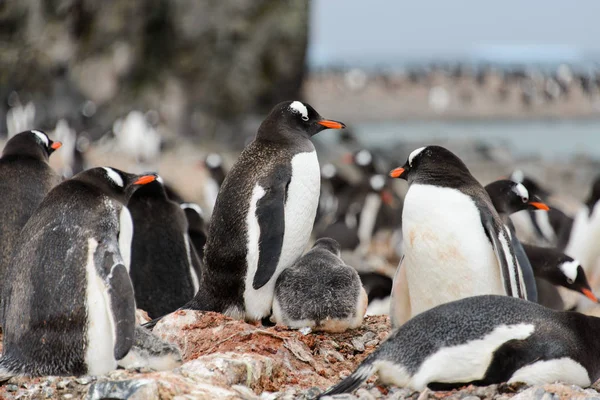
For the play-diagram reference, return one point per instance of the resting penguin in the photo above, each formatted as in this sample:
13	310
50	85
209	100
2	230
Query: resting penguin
69	306
510	197
320	292
165	268
264	214
492	339
455	244
25	178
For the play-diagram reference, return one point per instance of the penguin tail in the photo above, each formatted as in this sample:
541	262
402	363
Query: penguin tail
5	373
352	382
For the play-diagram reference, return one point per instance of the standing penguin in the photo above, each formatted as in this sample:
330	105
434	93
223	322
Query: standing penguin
213	163
320	292
493	339
264	214
69	306
25	178
196	227
510	197
455	244
165	269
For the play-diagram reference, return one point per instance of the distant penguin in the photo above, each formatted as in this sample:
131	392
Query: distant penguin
366	161
264	214
165	269
213	164
585	234
320	292
559	269
493	339
69	306
25	179
196	226
455	244
510	197
379	289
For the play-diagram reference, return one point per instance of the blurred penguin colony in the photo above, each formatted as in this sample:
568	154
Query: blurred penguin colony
474	275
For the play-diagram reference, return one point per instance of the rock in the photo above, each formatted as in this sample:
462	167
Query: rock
48	392
364	394
358	344
63	384
84	380
126	390
12	388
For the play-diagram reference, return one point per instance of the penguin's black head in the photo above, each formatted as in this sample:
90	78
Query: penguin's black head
115	183
594	195
432	163
31	143
329	244
572	276
509	197
531	185
292	119
155	188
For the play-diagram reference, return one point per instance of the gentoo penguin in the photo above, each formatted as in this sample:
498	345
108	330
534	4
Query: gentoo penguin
69	307
509	197
213	164
196	227
455	244
165	269
559	269
264	214
25	178
492	339
320	292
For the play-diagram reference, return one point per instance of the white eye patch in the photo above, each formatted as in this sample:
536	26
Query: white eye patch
521	191
569	268
114	176
415	153
300	108
42	136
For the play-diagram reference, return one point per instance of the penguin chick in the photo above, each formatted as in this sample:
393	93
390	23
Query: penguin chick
150	351
165	269
320	291
559	269
484	340
69	307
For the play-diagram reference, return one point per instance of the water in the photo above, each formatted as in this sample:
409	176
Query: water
550	139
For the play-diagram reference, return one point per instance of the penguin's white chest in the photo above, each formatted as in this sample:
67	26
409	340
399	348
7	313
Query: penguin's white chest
447	253
299	212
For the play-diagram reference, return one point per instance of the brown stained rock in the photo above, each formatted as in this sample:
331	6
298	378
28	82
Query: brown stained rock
309	360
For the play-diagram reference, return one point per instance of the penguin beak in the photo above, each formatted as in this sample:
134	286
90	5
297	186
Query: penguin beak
145	179
588	293
398	173
536	205
56	145
330	124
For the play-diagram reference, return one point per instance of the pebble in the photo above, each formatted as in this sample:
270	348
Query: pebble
12	388
471	398
48	392
372	343
358	344
63	384
84	380
67	396
363	394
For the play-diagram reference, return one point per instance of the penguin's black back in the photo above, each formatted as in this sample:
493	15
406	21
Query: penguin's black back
226	245
46	285
160	269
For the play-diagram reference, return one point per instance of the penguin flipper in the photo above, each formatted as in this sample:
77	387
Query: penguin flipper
121	301
526	269
270	213
509	268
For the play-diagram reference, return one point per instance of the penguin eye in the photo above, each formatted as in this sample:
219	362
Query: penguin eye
570	281
524	199
304	118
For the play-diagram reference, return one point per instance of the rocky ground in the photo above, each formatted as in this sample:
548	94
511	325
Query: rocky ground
229	359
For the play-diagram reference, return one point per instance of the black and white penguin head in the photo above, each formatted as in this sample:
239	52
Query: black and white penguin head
431	163
31	143
292	118
531	185
328	244
194	214
573	277
510	197
115	183
155	188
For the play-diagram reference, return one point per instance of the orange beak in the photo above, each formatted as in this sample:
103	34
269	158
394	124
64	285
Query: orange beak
396	173
588	293
327	123
56	145
539	206
145	179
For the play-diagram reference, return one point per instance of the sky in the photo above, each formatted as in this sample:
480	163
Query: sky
375	32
